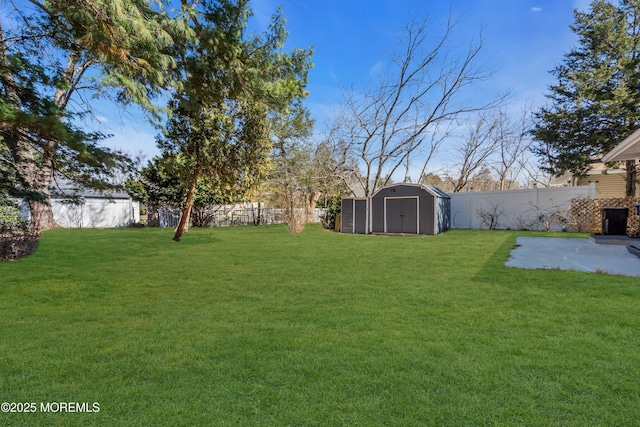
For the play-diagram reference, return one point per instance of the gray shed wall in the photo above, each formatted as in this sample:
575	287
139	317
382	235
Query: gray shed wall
360	226
354	216
444	215
427	212
346	216
377	215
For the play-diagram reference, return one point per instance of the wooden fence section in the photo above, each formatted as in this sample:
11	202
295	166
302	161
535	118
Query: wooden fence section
587	214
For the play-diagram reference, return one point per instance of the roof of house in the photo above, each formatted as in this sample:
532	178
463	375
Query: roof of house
629	149
63	188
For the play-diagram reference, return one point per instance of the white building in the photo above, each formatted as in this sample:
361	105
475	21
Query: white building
77	207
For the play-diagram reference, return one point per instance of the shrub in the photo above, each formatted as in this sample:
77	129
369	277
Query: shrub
295	220
15	241
334	207
10	218
17	244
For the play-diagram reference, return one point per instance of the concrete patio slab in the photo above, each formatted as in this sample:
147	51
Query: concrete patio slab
573	254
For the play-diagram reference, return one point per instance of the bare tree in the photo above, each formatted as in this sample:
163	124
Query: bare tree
513	147
405	114
339	162
497	144
474	150
533	174
325	170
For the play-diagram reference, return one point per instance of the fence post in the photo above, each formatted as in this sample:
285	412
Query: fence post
472	211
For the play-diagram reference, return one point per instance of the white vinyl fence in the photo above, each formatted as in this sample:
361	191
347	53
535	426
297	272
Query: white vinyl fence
529	209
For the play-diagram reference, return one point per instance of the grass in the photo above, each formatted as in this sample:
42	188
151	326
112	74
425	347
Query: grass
260	327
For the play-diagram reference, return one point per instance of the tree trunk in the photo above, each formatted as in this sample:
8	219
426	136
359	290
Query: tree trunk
41	216
38	179
36	176
258	220
186	210
311	205
631	178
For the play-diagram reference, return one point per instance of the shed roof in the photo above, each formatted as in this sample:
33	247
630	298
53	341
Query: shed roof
436	192
628	149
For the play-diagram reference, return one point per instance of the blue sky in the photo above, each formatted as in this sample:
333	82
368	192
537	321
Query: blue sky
522	41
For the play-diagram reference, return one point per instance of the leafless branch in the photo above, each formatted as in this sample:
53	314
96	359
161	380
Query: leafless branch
408	113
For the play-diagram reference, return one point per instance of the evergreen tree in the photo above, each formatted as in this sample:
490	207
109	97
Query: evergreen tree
52	52
596	101
158	185
219	125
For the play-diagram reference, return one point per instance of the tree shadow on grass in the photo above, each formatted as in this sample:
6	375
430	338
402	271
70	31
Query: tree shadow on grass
494	269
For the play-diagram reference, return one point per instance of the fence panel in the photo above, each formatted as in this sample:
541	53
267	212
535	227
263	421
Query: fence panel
530	209
169	217
221	217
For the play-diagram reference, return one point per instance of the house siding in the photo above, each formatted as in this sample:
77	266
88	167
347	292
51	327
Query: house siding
610	185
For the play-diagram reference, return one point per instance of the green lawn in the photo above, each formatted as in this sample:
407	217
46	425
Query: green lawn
260	327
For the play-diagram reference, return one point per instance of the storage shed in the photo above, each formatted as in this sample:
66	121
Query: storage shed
354	216
410	209
398	209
